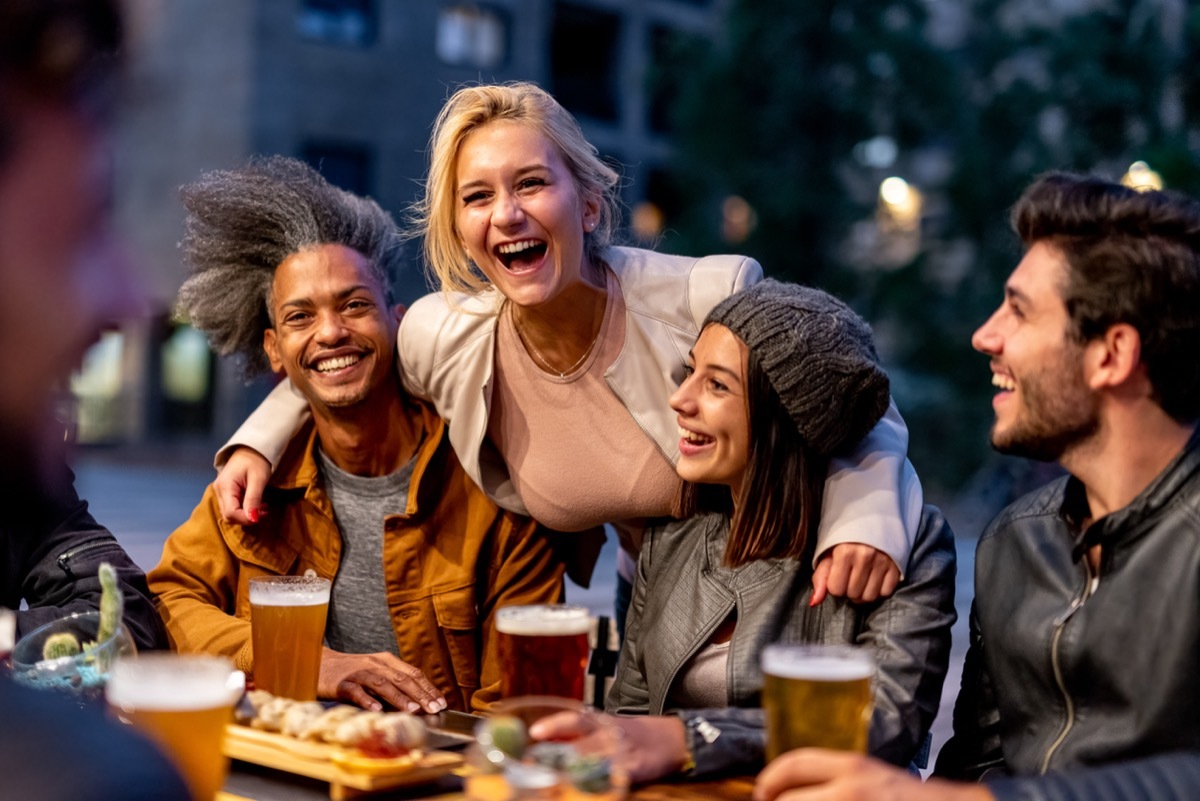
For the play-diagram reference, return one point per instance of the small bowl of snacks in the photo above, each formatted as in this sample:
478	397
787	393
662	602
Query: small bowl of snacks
505	762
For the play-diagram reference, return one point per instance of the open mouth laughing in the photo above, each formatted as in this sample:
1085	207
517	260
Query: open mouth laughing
521	256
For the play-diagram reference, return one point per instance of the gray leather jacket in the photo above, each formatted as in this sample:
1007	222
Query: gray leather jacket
1064	674
682	593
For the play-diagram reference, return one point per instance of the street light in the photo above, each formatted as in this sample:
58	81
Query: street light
899	204
1141	178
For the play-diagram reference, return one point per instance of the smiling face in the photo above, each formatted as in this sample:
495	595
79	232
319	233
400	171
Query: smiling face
333	332
710	406
520	215
1044	405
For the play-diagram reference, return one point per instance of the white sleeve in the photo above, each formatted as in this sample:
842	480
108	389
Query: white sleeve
872	495
270	427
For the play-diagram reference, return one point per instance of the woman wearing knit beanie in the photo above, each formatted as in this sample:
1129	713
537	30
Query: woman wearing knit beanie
783	378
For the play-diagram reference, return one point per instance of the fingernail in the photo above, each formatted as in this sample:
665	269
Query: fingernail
442	704
812	602
375	706
413	706
253	515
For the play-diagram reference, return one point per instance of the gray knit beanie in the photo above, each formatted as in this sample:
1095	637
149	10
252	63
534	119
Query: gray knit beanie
818	355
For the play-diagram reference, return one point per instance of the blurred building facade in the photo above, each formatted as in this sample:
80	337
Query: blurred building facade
352	86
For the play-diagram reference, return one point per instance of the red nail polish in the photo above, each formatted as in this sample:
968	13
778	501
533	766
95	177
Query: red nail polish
253	515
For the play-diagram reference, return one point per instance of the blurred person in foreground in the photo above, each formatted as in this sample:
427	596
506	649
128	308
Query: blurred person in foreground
782	379
61	281
551	353
292	274
1080	682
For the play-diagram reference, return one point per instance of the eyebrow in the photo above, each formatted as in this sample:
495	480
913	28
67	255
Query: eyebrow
717	368
345	293
1012	293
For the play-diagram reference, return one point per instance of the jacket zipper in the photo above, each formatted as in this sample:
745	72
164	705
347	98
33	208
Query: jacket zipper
1059	625
66	556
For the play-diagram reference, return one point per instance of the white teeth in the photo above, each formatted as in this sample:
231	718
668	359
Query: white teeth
329	365
692	436
1004	382
517	247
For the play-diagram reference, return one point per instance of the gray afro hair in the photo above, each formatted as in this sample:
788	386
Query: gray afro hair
242	224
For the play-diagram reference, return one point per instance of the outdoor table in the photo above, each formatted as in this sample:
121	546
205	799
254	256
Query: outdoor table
252	783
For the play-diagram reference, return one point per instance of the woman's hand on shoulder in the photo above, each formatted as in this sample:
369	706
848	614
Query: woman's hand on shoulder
855	571
240	484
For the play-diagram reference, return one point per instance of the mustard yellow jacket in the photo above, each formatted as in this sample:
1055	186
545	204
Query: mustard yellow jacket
451	558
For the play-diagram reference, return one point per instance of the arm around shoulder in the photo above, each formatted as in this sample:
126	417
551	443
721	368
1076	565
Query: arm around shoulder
270	427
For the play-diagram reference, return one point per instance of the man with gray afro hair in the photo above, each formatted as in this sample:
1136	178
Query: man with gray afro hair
242	224
290	273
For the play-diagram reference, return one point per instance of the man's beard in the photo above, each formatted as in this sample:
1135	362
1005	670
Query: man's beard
1057	411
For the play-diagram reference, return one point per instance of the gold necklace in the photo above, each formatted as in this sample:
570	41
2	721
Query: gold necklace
534	351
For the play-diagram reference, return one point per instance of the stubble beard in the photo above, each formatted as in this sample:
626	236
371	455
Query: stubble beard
1058	412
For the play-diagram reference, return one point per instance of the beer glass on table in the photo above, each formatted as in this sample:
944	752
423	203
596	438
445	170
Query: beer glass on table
817	696
183	702
543	650
287	626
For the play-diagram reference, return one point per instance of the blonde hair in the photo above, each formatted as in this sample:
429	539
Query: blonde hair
469	109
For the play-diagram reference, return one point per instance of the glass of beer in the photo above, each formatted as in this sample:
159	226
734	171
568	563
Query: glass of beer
817	696
287	625
543	650
183	702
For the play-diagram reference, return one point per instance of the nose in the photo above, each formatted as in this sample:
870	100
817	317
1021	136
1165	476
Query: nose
331	328
987	338
508	211
682	400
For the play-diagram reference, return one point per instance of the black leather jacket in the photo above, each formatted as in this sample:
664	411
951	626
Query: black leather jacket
51	551
1068	670
683	592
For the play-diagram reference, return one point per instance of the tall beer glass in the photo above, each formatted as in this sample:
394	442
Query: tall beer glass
816	695
287	625
182	702
543	650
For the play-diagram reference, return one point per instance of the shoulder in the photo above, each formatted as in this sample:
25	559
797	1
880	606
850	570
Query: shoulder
440	334
1040	504
668	542
686	287
441	315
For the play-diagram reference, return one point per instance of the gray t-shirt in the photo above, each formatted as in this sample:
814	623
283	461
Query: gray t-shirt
359	621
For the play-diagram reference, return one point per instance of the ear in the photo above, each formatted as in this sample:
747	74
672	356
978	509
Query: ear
591	213
1114	359
398	310
271	346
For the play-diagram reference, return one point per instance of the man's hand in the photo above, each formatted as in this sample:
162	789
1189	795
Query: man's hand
367	679
240	484
652	747
813	774
858	572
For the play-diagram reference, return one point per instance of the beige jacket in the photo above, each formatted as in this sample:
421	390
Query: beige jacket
446	347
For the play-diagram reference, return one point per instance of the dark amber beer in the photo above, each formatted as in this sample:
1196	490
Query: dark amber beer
543	650
287	625
183	702
816	696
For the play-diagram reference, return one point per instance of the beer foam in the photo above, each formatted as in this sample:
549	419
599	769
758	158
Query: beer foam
815	668
173	684
534	621
288	594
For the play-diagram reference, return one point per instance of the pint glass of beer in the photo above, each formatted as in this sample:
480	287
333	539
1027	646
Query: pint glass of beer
816	696
543	650
287	625
182	702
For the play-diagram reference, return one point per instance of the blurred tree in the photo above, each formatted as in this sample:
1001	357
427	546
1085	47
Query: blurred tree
787	108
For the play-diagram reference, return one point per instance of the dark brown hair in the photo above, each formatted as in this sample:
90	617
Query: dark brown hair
779	505
1132	257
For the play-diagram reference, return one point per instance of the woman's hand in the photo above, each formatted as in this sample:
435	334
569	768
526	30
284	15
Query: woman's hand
810	774
240	484
651	746
368	679
858	572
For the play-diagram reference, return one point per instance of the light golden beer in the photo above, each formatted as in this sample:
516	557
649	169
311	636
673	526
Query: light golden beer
182	702
816	696
543	650
287	625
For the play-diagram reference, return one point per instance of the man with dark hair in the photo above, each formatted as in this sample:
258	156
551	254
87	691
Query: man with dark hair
60	281
291	274
1080	681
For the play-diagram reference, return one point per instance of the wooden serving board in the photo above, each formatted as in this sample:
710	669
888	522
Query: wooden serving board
316	761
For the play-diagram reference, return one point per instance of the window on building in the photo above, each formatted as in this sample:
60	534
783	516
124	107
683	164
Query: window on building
341	22
344	165
472	36
584	59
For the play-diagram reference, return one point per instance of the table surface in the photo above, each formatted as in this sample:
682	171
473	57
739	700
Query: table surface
249	782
